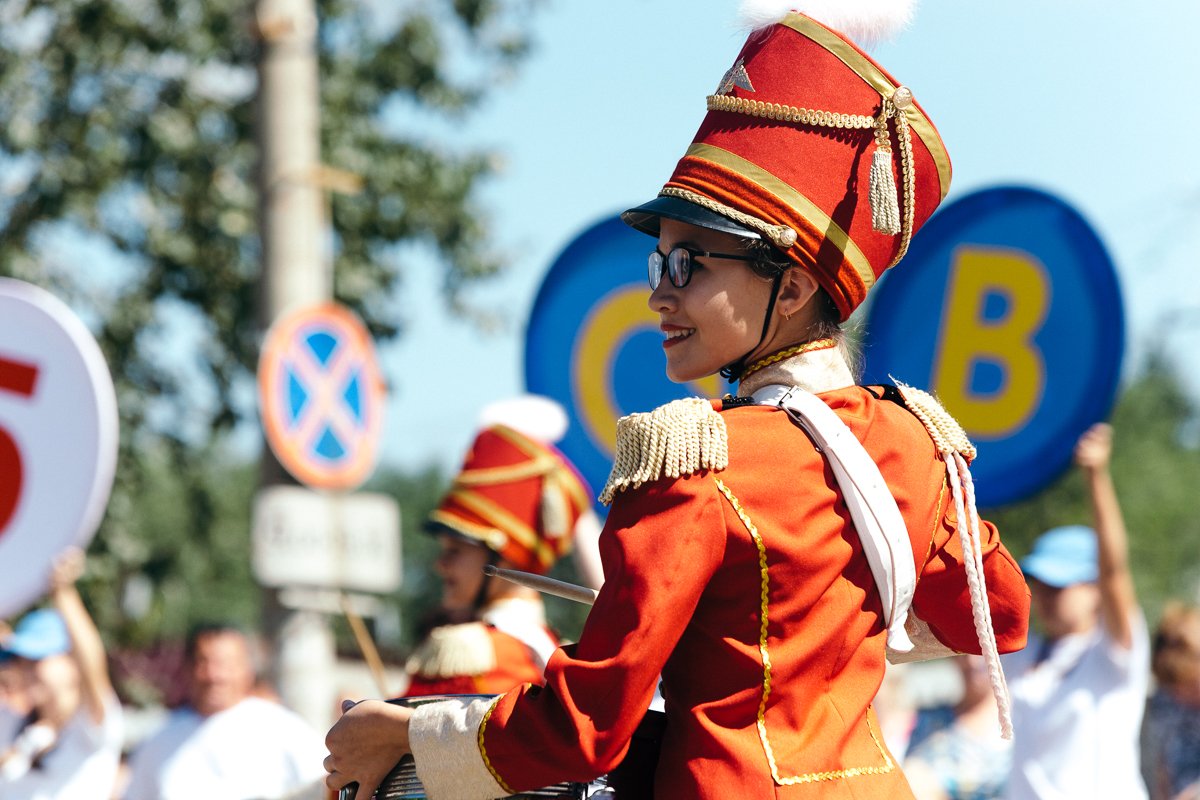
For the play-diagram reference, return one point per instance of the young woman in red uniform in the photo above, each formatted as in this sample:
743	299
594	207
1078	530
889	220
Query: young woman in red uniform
517	503
762	553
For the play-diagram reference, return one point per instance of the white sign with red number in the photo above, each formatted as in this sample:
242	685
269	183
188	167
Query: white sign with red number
58	438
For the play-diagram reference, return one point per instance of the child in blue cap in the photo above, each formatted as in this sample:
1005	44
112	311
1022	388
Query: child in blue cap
64	742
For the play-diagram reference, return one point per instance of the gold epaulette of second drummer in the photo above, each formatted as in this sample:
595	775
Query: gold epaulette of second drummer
680	438
454	650
948	436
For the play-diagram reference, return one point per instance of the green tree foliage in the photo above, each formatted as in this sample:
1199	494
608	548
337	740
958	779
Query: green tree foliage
189	537
128	167
1156	469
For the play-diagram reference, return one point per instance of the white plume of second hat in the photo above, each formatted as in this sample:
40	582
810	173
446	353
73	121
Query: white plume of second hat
534	415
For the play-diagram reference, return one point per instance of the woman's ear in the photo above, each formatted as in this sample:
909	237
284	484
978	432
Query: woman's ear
796	288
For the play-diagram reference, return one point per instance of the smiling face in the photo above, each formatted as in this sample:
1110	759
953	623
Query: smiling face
718	317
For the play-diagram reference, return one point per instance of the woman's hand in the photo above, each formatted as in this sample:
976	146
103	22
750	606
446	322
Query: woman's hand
365	744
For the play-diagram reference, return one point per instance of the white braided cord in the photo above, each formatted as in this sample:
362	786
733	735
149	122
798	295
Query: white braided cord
968	535
995	669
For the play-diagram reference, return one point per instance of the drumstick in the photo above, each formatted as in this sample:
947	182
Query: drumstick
569	591
365	644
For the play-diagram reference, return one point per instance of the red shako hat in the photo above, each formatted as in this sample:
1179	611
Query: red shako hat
812	145
516	495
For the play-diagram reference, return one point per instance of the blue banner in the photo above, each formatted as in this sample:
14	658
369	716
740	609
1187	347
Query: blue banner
1007	308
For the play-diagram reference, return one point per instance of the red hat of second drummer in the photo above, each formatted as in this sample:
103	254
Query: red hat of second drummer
811	144
517	496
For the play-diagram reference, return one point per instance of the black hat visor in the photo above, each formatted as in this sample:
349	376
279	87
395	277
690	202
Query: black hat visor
646	217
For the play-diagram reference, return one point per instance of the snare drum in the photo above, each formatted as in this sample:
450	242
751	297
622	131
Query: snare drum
635	775
402	783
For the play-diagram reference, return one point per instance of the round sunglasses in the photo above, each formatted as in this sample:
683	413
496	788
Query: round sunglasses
678	264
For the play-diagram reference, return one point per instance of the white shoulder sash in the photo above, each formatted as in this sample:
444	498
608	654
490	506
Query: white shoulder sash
876	517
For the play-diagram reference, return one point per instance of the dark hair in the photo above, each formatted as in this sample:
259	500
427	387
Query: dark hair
203	630
1175	657
769	262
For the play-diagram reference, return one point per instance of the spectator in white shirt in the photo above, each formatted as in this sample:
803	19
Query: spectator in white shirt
227	743
1078	690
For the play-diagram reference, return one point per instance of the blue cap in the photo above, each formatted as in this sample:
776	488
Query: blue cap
40	634
1063	557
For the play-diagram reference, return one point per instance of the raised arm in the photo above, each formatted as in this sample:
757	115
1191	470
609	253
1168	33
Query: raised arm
1118	599
86	646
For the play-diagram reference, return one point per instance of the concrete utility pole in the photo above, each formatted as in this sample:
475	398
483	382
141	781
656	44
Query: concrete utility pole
296	272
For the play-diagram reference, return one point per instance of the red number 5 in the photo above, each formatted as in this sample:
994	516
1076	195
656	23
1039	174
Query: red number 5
17	378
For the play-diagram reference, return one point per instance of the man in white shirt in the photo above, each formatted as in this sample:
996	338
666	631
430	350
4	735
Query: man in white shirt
1078	691
226	743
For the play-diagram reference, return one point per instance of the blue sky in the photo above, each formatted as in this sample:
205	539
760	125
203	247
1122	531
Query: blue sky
1089	100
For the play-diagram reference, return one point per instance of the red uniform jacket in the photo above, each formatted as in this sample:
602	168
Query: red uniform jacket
747	590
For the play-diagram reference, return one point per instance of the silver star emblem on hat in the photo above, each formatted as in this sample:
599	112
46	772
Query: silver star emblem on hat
736	76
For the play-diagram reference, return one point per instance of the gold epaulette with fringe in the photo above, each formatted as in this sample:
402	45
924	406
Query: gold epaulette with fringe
680	438
948	436
451	651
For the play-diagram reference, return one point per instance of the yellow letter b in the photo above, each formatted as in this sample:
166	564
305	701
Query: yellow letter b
988	371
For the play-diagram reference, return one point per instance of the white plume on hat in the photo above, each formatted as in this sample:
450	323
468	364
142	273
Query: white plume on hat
866	22
534	415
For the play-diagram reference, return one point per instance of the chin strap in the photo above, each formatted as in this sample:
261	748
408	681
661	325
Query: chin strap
733	370
482	595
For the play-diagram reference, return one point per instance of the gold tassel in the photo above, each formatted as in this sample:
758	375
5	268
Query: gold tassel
680	438
885	208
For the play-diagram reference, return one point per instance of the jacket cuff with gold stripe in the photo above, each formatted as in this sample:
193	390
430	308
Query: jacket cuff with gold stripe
446	742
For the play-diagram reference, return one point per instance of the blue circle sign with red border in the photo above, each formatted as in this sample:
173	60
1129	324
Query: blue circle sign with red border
1008	309
322	396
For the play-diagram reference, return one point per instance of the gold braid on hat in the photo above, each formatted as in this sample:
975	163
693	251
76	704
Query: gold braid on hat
490	476
782	236
560	489
886	214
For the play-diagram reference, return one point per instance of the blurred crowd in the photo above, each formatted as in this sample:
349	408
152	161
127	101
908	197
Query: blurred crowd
1101	707
1086	723
62	731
